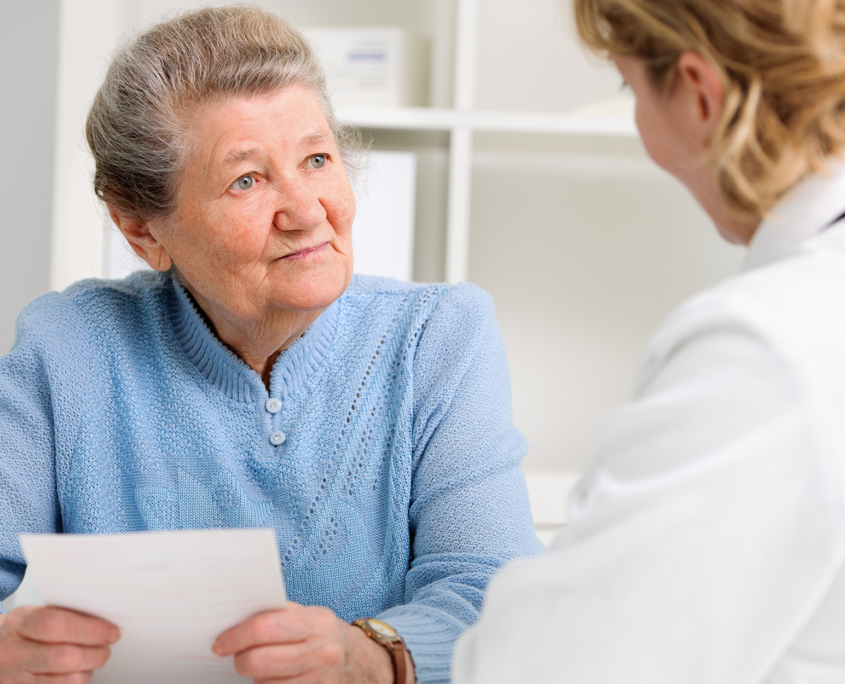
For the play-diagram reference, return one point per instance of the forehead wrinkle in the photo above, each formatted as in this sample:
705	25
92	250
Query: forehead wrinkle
240	155
237	156
318	137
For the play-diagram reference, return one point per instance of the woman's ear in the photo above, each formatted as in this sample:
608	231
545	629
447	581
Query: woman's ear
703	91
138	235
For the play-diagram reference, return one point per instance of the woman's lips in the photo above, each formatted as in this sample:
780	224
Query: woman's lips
302	253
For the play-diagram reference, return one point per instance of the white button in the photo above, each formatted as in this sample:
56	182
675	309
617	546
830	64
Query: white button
277	437
273	405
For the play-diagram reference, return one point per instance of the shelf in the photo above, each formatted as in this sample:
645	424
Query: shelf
432	119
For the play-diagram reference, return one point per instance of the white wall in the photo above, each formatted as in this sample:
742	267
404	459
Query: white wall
529	58
28	33
580	288
88	32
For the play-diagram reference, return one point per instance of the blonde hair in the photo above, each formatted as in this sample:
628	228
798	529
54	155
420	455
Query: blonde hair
136	128
783	66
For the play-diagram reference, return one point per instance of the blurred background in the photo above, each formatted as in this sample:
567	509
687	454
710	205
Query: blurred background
519	170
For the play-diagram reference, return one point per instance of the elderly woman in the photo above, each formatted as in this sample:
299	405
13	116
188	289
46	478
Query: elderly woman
706	541
251	380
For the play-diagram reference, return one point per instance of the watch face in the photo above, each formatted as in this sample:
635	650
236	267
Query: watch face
381	628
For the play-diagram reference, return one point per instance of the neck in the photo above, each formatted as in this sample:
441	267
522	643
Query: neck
259	343
256	341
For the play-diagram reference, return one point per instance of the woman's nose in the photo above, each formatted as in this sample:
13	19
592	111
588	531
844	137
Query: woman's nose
298	207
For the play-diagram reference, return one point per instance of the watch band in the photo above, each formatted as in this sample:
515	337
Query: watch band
384	635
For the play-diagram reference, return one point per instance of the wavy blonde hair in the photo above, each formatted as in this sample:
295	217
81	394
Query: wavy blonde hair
783	66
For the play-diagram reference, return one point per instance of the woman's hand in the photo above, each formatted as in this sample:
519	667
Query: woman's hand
52	644
305	644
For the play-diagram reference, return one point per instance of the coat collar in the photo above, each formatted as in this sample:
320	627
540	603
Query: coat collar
805	211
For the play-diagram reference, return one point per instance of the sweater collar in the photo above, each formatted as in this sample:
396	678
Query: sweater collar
228	373
806	210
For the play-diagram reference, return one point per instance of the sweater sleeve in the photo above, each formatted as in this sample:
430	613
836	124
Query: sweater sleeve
41	385
469	511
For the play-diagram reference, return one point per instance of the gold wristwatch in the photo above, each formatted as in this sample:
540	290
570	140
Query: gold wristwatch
384	634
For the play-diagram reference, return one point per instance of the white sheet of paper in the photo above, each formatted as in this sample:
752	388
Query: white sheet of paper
171	594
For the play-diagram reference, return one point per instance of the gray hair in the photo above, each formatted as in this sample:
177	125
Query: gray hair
136	128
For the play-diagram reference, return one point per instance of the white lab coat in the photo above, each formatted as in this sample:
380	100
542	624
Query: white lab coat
706	541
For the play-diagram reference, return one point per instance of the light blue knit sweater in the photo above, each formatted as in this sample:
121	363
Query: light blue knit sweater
395	493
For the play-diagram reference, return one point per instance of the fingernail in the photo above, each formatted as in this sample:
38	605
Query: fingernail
215	647
114	634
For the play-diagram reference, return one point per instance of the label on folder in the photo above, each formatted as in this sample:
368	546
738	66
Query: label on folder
170	593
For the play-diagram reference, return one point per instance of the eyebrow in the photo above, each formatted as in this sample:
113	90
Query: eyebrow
237	156
317	138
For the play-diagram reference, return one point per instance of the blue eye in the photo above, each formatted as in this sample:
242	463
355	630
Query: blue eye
318	161
244	182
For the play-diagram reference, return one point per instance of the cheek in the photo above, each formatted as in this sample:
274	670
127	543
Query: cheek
340	209
238	234
653	137
217	243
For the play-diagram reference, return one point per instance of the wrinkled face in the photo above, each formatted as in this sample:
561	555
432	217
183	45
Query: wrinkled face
264	208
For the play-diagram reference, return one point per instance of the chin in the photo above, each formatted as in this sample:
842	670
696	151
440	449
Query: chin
728	235
737	232
732	229
316	292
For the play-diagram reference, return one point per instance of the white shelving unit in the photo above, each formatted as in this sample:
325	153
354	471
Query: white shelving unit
451	120
463	120
487	140
461	124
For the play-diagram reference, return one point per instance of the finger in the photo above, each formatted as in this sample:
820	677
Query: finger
62	626
61	659
311	677
289	661
270	662
73	678
286	625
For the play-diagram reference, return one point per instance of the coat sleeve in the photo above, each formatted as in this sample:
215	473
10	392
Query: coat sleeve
469	511
700	538
41	388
